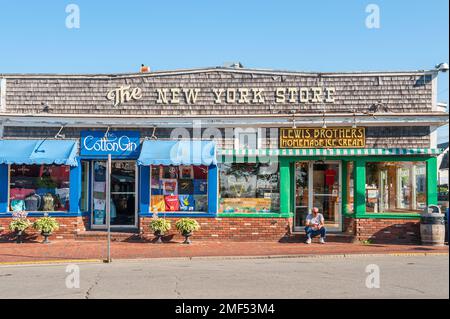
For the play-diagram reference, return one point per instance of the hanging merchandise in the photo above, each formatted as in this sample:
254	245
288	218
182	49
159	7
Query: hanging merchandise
172	203
169	186
18	205
186	202
200	187
185	187
48	203
157	203
33	203
200	172
186	171
201	203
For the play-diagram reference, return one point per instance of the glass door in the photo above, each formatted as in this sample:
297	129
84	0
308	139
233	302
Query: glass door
318	184
301	194
123	198
326	192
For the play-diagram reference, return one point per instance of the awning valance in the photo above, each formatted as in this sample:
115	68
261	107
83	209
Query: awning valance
60	152
178	153
332	152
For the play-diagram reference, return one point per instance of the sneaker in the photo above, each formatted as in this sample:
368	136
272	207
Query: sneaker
308	241
322	240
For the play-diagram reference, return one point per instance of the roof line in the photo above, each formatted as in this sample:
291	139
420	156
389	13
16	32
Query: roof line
213	69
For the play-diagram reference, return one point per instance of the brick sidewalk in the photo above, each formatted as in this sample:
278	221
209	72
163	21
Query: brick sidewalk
74	250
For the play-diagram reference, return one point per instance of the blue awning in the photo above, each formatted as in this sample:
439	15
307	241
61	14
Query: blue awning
178	153
60	152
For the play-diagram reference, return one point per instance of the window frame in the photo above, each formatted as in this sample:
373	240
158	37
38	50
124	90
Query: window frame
39	211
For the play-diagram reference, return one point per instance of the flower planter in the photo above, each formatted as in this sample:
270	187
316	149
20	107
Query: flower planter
19	236
46	235
186	237
158	234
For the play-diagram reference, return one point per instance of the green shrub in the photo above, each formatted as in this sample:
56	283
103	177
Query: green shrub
19	224
46	225
160	224
187	225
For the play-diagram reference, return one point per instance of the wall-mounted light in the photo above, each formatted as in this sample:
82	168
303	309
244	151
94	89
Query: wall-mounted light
354	120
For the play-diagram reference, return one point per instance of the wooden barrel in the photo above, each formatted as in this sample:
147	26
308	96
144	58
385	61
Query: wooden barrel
432	228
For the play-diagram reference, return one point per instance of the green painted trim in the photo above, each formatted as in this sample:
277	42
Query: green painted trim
432	169
285	186
344	189
387	215
360	187
257	215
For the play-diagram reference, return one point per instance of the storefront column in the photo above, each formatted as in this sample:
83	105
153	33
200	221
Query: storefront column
344	192
432	181
144	190
285	186
75	188
213	196
3	188
360	187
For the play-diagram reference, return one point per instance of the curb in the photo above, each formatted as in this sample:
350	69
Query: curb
49	262
304	256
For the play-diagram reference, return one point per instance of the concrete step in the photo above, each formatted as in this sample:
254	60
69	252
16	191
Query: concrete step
331	237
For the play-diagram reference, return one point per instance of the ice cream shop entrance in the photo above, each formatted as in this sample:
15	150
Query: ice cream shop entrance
318	184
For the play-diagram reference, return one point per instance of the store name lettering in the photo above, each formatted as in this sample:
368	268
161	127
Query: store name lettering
285	95
124	94
340	137
110	144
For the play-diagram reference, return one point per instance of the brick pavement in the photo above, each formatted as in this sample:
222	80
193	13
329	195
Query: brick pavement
74	250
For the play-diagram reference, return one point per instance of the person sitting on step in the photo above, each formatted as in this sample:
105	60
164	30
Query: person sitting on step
315	226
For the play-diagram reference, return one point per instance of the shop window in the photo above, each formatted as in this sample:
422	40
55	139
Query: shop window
84	186
395	187
249	188
181	188
35	188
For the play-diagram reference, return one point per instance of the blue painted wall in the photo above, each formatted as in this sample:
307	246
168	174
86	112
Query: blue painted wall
3	188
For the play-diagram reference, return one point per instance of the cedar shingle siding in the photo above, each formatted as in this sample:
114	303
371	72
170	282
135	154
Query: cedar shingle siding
84	94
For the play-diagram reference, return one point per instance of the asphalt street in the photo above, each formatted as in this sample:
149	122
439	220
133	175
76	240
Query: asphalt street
312	277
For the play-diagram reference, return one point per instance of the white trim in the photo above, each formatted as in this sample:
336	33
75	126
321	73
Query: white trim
433	136
268	121
434	92
2	95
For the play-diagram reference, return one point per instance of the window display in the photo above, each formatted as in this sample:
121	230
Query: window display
35	188
181	188
395	187
249	188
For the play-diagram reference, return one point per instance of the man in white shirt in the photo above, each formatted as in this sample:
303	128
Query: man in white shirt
315	226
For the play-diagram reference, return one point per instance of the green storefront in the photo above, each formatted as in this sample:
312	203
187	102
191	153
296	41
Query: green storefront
375	194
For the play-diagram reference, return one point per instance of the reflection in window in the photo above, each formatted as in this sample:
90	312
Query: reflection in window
249	188
35	188
395	187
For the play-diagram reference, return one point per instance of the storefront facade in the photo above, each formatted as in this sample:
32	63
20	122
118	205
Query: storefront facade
246	152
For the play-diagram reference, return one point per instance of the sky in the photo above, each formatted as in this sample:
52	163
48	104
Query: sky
319	35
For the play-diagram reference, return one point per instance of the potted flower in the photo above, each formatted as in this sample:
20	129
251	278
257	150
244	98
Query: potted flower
46	225
159	226
18	225
186	226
